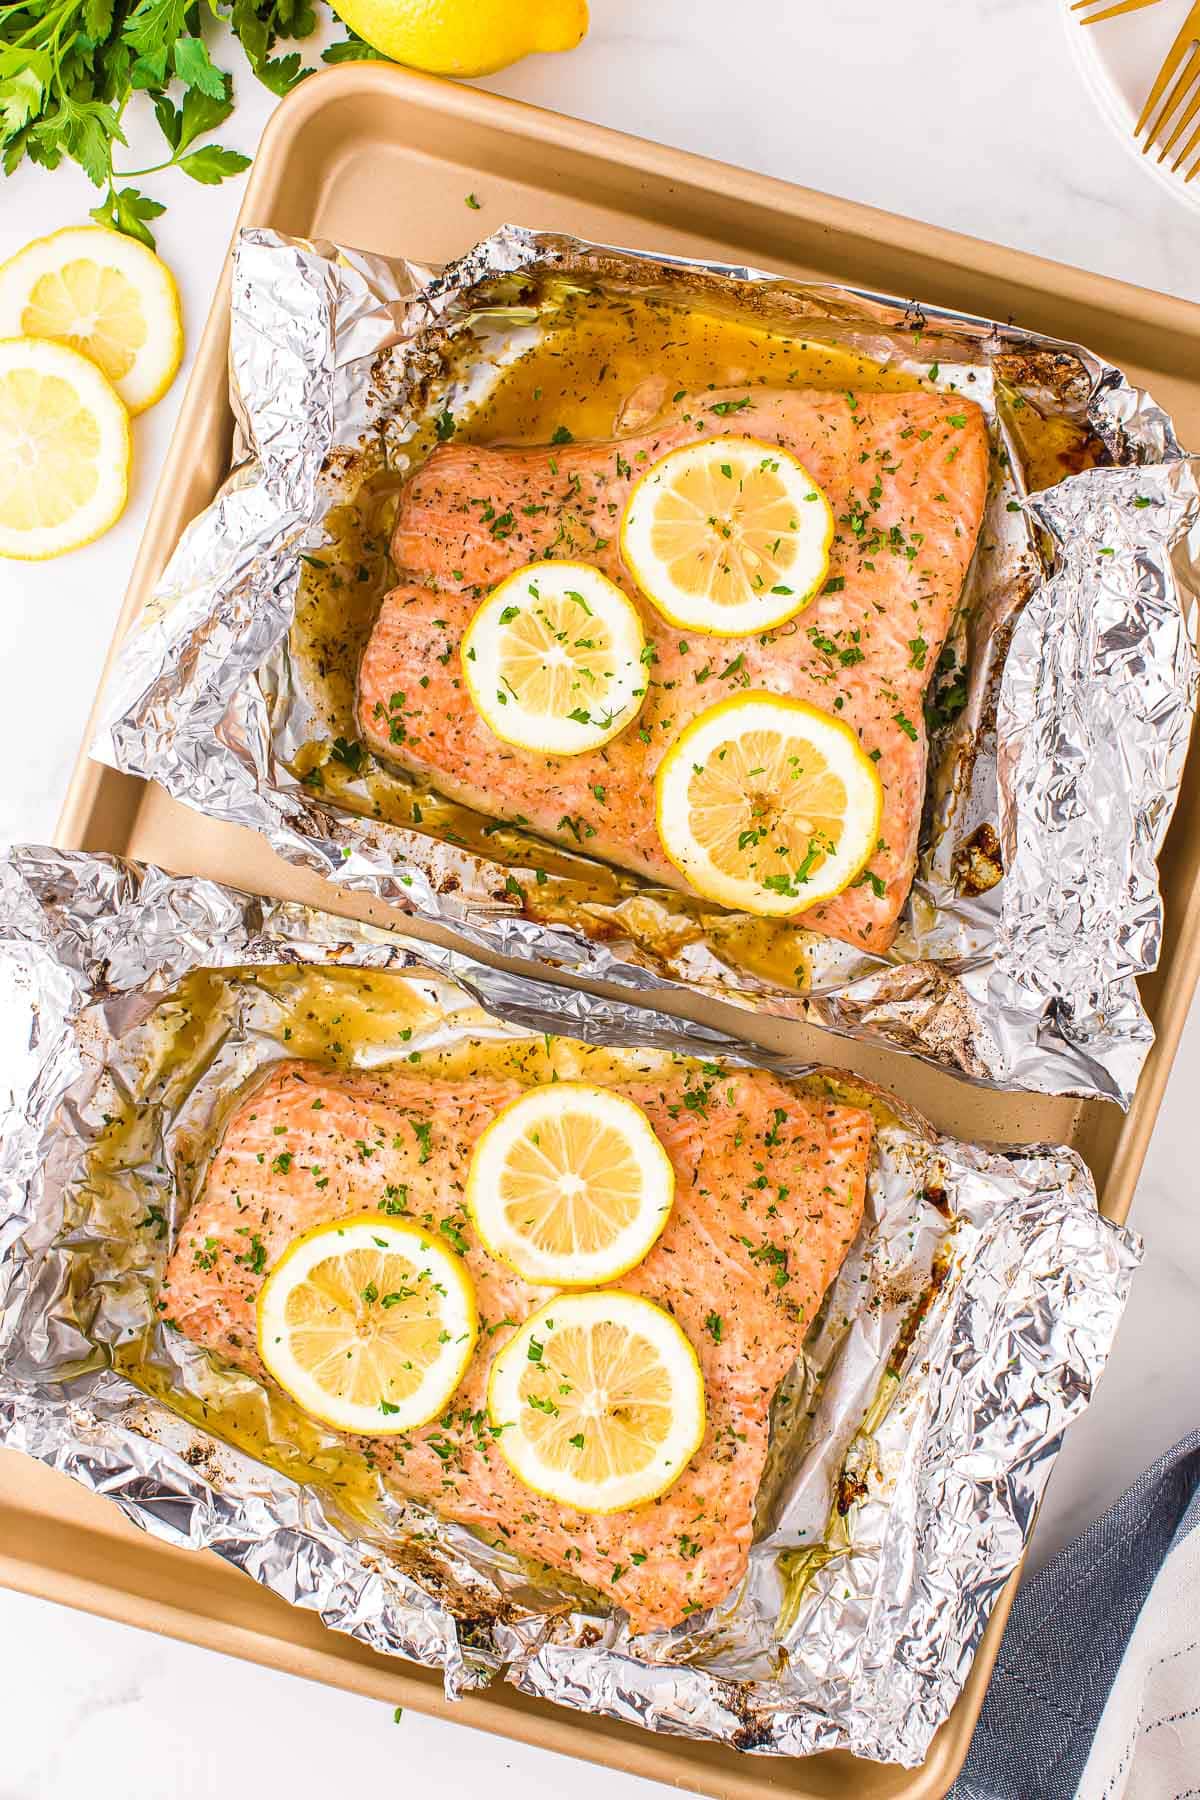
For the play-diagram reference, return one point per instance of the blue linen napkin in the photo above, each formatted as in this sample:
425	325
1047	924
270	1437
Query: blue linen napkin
1096	1691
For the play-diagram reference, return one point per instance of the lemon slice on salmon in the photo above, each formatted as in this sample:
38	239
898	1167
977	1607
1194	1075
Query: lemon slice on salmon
64	450
599	1401
569	1185
768	805
106	296
553	659
729	536
367	1324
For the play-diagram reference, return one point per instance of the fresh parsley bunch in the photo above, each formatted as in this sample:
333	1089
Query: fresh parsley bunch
68	69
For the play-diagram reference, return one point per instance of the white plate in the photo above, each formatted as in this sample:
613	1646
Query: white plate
1119	60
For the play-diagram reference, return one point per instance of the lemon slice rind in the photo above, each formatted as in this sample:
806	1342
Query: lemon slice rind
704	740
445	1291
536	1442
530	1129
797	521
562	632
44	447
108	286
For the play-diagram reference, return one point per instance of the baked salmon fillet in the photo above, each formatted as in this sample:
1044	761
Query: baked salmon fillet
769	1196
906	475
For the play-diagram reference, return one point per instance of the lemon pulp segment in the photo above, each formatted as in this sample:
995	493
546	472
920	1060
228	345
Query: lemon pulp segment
599	1401
768	804
570	1185
64	450
728	535
553	659
104	295
367	1324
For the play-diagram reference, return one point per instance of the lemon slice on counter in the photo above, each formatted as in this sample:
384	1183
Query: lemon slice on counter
106	296
728	535
768	805
64	450
569	1185
599	1401
553	659
367	1324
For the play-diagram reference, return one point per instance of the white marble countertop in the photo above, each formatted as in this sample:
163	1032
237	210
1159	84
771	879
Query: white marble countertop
970	116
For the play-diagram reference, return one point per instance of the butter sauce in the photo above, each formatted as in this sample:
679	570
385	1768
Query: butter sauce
593	353
598	362
190	1061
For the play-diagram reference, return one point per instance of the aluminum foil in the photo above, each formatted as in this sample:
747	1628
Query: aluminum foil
909	1447
1060	714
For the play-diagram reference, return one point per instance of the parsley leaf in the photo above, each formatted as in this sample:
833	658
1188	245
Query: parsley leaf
69	69
349	752
351	49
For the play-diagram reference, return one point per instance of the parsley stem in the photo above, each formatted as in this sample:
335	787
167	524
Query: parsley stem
59	17
133	174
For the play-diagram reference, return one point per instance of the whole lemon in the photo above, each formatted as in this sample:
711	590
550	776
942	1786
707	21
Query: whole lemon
465	37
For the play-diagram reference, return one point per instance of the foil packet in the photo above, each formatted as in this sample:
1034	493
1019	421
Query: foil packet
1059	715
910	1444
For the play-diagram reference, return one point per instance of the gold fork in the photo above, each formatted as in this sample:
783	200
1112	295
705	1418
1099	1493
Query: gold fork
1182	69
1109	12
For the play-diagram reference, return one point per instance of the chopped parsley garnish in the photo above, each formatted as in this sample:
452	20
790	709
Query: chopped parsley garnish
776	1259
869	879
453	1235
349	753
255	1258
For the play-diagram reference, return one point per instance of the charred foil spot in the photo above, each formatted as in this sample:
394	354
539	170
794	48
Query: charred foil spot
1053	378
1087	451
203	1458
912	1324
978	865
851	1488
756	1731
475	1611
